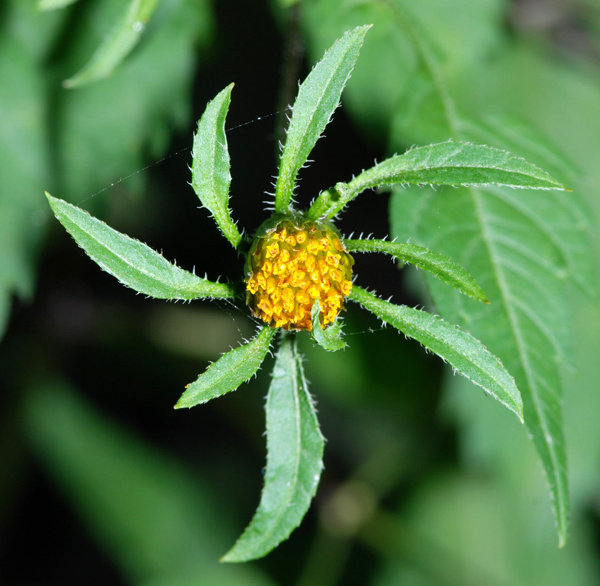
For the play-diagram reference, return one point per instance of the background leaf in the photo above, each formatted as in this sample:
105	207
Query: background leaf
117	45
521	235
140	105
294	459
159	522
54	4
132	262
24	167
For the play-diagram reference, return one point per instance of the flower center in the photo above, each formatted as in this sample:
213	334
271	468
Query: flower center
291	266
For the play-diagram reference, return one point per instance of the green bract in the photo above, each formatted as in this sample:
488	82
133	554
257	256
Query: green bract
294	441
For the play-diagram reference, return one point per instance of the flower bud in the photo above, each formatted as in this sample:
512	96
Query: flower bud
292	263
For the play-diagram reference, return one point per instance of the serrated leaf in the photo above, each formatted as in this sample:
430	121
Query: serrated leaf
520	265
294	459
571	233
515	251
211	175
467	355
133	263
448	163
329	338
228	372
546	227
117	45
318	97
438	265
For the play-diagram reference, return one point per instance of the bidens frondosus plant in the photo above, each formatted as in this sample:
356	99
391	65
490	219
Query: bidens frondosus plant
299	277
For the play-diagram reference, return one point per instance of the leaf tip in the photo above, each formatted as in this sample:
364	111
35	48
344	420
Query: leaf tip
53	201
70	83
234	556
562	540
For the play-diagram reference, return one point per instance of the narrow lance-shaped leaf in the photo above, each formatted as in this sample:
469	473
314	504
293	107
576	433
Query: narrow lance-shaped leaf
329	338
228	372
117	45
467	355
437	264
294	459
318	97
133	263
211	175
447	163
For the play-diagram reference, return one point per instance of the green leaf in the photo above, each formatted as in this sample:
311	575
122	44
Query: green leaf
438	265
211	176
24	162
329	338
568	221
520	264
447	163
229	371
108	130
117	45
294	459
466	355
54	4
133	263
412	90
520	244
318	97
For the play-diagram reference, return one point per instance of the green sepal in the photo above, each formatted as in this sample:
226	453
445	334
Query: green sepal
329	338
211	176
447	163
294	459
228	372
467	355
318	97
134	263
117	45
437	264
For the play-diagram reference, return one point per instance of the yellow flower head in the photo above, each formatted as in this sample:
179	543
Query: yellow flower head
292	263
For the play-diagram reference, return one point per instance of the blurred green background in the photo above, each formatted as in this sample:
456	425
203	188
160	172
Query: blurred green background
426	481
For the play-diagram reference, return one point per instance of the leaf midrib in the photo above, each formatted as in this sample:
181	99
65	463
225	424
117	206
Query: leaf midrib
520	343
419	168
291	491
104	244
308	126
458	351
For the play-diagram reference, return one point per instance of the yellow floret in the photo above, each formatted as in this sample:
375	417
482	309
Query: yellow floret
290	267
